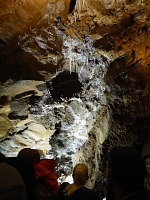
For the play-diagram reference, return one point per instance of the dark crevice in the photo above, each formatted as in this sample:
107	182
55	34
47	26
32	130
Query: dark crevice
65	85
72	5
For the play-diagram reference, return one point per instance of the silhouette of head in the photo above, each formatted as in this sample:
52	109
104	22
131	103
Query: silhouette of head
80	174
31	155
127	169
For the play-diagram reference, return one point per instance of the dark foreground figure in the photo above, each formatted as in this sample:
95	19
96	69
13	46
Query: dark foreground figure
77	190
126	175
12	186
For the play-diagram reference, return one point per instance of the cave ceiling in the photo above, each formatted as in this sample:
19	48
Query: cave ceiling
75	79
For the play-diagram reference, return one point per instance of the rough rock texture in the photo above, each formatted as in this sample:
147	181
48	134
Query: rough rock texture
106	44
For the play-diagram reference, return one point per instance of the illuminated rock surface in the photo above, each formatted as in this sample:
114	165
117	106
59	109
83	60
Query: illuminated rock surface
89	75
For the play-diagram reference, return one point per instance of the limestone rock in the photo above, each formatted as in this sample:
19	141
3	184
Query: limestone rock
27	133
5	124
25	86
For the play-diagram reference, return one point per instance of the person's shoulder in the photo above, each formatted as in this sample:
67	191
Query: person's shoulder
139	195
48	163
85	193
145	195
45	161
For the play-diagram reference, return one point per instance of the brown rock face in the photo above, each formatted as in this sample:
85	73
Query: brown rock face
17	16
33	37
31	19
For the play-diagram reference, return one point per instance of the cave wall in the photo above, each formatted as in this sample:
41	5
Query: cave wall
31	41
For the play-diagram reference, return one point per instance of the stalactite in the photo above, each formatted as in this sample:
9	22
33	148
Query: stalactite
80	5
70	56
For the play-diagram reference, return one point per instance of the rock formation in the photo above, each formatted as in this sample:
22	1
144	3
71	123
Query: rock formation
75	80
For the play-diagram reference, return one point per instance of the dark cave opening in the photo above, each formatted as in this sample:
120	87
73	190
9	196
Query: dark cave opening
72	5
65	85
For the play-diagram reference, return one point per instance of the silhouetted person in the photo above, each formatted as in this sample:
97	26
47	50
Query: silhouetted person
25	169
126	175
12	186
77	190
46	180
27	173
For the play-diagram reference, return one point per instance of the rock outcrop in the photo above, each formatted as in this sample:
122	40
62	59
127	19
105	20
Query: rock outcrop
98	52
